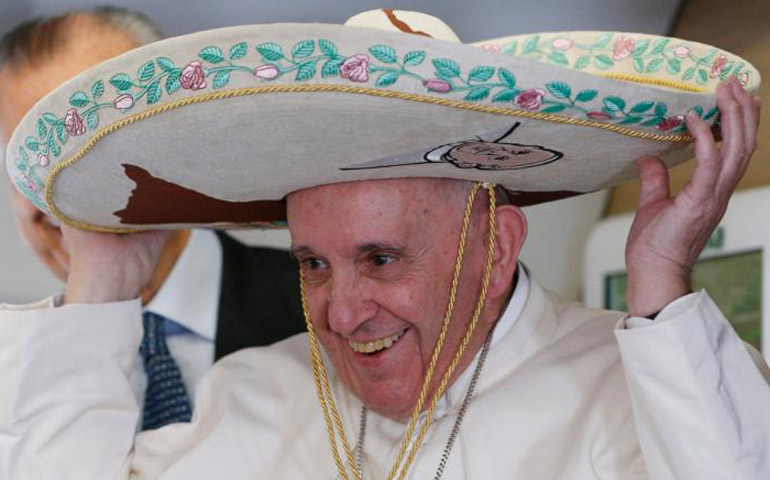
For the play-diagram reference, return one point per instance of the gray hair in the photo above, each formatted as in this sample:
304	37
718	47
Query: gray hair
136	24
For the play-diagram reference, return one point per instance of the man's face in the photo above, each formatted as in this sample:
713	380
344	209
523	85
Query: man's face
378	258
21	88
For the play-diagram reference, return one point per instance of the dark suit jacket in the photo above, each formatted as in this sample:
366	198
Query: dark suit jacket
260	301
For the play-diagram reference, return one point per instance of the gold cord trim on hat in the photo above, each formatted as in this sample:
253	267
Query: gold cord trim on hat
328	405
103	132
661	82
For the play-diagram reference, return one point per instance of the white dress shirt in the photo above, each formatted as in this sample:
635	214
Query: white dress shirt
190	298
566	393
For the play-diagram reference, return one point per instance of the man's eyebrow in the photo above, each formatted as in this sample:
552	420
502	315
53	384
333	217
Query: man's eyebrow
379	247
300	250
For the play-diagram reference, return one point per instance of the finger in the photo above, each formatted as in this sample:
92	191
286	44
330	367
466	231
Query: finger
734	170
707	157
733	146
653	181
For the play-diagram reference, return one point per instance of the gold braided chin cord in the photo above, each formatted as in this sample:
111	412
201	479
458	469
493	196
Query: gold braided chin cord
328	406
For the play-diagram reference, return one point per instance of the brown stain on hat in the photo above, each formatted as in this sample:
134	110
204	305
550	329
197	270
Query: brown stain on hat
402	25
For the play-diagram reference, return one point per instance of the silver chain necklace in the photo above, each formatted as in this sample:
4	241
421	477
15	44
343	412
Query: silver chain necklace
359	450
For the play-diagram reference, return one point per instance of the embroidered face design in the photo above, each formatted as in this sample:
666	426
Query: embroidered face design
478	153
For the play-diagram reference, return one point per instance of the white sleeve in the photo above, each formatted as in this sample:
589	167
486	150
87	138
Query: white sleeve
67	410
701	404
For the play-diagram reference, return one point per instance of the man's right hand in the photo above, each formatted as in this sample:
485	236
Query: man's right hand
107	267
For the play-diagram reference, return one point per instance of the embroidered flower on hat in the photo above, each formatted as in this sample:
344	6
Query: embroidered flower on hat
437	85
356	68
192	77
670	123
266	71
562	44
718	66
73	124
623	48
530	99
123	102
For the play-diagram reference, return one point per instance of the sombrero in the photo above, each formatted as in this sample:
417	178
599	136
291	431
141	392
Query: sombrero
215	128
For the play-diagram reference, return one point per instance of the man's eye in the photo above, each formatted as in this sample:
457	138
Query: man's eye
382	260
313	263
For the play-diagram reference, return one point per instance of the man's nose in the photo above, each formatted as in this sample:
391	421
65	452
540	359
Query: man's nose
350	304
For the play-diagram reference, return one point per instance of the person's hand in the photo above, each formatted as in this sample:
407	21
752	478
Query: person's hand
669	233
110	267
42	234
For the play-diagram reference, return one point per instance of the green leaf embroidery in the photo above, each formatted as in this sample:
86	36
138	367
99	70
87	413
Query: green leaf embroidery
506	76
384	53
306	71
674	66
615	104
698	110
703	77
61	133
654	65
50	118
711	113
477	93
41	129
172	82
97	89
212	54
603	41
558	58
659	46
22	168
79	99
221	79
638	64
165	64
237	51
726	71
642	107
640	48
331	68
270	51
653	122
328	48
146	71
53	147
92	120
603	62
554	108
506	95
121	81
32	144
559	89
386	78
481	73
629	120
586	95
688	74
154	92
303	49
446	67
708	57
583	62
661	109
414	58
23	154
530	45
510	48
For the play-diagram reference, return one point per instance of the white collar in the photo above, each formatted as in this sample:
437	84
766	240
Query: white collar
190	294
515	305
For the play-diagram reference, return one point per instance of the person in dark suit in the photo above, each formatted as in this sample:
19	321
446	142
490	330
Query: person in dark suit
210	295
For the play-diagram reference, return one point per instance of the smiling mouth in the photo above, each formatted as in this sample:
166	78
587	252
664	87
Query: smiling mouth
375	345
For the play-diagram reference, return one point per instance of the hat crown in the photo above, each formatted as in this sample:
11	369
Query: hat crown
415	23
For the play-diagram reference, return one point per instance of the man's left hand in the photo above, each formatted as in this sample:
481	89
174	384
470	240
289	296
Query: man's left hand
669	233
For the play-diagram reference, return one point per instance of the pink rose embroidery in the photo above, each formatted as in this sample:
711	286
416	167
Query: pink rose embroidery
123	102
266	71
562	44
623	48
530	99
192	77
356	68
670	122
42	160
491	48
73	124
30	184
744	78
437	85
681	51
718	66
599	115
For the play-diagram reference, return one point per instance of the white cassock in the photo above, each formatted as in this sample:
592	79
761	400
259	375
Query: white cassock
566	393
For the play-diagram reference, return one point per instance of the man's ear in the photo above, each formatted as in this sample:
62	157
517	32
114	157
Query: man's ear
510	235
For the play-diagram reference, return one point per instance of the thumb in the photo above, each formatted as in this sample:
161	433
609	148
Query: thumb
653	181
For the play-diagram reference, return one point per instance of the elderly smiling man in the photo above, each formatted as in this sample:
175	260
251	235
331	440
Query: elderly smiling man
446	362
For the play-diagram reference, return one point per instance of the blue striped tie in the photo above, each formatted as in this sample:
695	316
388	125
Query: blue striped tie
166	399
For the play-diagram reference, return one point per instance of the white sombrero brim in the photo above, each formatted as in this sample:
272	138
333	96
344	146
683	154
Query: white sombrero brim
213	128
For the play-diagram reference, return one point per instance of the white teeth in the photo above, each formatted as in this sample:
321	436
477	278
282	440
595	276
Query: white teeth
375	345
